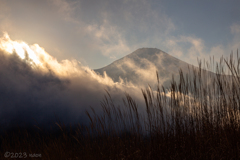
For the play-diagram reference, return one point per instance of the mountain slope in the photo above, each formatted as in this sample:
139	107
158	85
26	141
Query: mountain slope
140	67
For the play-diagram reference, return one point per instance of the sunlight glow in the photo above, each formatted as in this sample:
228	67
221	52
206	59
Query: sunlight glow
20	48
38	58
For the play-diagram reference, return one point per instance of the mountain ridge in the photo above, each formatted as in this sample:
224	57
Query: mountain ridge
140	66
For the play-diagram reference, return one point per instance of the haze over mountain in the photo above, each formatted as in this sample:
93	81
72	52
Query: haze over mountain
140	67
35	87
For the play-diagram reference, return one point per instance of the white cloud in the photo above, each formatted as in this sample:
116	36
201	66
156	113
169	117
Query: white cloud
235	29
42	86
117	28
187	48
235	44
66	9
108	39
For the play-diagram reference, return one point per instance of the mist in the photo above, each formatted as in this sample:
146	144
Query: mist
36	89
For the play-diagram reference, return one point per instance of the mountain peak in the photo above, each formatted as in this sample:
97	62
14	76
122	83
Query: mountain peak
140	67
144	51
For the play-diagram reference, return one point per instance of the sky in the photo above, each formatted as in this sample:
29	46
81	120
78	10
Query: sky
98	32
48	49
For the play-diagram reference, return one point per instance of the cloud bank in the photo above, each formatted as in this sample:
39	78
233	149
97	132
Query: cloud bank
35	87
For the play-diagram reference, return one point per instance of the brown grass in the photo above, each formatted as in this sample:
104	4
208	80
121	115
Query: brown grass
196	118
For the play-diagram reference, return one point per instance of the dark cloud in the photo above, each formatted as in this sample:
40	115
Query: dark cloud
31	96
35	88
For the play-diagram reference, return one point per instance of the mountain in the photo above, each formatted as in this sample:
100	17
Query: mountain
140	67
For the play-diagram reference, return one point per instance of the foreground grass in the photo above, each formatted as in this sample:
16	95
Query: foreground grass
197	118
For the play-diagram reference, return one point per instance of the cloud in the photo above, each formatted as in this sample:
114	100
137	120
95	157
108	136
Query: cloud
119	27
35	89
144	75
108	39
39	87
104	28
189	48
66	9
235	29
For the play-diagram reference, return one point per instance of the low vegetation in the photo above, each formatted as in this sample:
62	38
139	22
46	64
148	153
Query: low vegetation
195	118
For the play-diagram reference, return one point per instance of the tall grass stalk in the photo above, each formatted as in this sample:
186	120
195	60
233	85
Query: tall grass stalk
195	118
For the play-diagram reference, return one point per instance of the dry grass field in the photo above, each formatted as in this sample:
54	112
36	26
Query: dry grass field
197	118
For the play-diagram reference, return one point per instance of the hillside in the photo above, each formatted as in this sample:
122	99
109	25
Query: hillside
140	67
